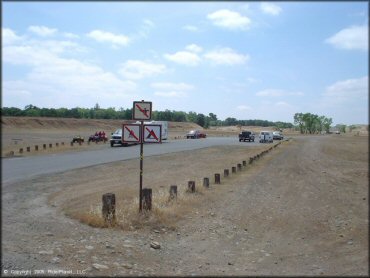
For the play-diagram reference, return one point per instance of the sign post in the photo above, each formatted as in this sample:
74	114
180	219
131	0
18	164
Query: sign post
142	110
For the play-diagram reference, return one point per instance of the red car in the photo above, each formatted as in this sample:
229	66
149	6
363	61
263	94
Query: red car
195	134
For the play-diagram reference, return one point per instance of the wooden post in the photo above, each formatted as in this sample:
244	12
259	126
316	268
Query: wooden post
226	173
50	146
109	208
233	169
239	167
250	160
57	144
147	199
62	143
191	186
173	192
71	144
206	182
217	179
21	150
36	148
44	146
28	149
244	163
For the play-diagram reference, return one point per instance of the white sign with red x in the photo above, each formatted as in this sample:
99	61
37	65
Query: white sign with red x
152	133
131	133
142	110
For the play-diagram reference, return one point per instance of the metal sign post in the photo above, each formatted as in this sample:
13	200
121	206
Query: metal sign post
142	110
141	168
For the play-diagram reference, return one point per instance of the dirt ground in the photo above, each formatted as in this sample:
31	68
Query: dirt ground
301	209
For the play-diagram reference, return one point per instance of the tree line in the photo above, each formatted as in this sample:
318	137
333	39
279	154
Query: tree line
312	123
97	112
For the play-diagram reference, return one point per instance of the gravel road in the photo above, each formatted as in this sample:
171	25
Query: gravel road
301	210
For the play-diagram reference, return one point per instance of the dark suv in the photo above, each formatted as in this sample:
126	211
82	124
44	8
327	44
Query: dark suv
246	136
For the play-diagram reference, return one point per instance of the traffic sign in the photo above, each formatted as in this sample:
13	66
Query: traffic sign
131	133
142	110
152	133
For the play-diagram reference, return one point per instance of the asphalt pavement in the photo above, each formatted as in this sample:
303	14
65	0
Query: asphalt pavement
22	168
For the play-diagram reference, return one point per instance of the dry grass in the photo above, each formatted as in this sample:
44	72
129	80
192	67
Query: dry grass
81	197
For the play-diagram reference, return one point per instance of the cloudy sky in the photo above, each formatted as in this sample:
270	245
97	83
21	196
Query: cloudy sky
248	60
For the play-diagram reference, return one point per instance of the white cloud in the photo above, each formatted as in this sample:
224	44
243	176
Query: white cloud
277	93
354	37
115	40
229	19
171	94
184	58
226	56
191	28
71	36
348	90
42	31
9	36
54	80
282	104
244	108
135	69
172	86
270	8
194	48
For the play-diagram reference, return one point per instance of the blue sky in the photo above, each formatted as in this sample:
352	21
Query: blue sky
248	60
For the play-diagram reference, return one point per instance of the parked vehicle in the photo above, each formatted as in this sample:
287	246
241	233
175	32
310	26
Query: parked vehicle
78	139
277	135
116	138
195	134
246	136
266	137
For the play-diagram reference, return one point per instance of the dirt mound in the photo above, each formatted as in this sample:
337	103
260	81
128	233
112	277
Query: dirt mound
77	124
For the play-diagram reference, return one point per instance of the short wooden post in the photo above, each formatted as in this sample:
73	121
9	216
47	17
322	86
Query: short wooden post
173	192
206	182
191	186
57	144
250	160
226	173
244	163
36	148
50	146
21	150
28	149
109	208
44	146
62	143
147	198
233	169
217	179
239	166
71	144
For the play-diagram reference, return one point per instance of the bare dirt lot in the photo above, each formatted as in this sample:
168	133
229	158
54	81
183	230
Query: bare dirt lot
301	209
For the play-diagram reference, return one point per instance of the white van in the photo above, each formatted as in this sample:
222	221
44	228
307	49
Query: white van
266	137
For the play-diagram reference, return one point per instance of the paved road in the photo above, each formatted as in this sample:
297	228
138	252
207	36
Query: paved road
21	168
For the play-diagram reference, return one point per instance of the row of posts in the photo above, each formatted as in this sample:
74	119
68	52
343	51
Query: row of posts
109	199
44	146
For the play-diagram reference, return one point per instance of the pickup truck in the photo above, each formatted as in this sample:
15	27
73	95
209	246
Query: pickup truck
246	136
